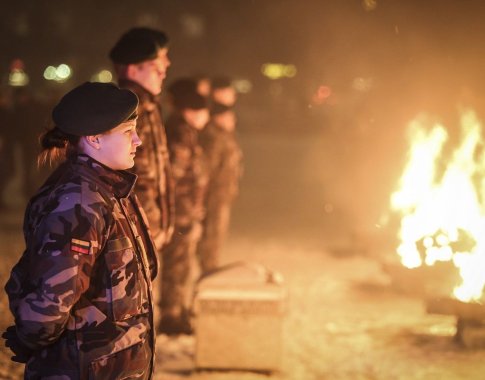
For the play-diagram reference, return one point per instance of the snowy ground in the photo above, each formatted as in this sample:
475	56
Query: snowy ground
345	322
306	210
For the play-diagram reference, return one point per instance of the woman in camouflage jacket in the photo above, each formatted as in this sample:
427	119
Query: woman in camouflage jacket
81	292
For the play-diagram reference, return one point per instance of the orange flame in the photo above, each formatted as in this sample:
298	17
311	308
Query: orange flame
442	208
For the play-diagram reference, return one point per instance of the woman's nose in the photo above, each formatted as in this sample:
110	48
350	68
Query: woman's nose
136	140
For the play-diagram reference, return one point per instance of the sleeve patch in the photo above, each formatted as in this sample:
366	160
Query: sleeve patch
81	246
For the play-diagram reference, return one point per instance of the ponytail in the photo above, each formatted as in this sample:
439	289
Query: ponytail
56	146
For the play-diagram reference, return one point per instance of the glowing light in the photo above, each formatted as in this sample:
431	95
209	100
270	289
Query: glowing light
290	71
63	71
242	86
59	74
321	95
50	73
442	203
18	78
103	76
428	242
17	64
278	70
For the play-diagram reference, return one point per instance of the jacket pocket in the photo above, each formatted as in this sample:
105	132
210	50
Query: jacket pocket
124	279
131	363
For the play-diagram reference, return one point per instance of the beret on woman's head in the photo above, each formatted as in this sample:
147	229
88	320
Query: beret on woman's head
94	108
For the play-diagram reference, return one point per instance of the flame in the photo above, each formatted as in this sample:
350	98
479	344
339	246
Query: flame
442	206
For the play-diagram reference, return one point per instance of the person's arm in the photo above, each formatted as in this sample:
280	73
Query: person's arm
150	180
181	157
57	268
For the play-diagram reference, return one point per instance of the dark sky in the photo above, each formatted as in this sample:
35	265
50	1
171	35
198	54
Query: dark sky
407	47
248	29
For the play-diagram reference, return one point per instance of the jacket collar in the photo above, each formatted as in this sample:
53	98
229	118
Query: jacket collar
118	182
139	90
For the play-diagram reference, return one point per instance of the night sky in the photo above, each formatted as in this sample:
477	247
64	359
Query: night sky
416	55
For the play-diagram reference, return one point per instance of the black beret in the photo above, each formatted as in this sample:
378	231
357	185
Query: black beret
184	94
160	37
190	100
182	87
221	82
218	108
94	108
138	45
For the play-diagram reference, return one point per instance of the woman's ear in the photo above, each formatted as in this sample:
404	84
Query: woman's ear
93	141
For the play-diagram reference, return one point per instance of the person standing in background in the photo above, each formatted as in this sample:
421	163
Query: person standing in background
204	86
224	157
223	92
141	61
190	115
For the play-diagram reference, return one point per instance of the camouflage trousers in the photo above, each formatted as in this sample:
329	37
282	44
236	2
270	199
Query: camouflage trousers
179	270
215	226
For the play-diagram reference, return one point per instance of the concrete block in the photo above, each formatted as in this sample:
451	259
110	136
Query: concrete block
239	314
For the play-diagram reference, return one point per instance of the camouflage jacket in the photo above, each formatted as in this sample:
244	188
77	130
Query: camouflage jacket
189	171
154	187
224	158
81	292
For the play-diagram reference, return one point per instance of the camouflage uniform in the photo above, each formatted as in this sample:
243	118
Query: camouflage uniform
154	187
224	161
190	175
81	292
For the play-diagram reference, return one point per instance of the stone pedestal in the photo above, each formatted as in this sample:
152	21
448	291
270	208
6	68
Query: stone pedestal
239	315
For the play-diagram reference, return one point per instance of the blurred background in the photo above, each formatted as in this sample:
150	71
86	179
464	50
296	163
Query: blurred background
326	91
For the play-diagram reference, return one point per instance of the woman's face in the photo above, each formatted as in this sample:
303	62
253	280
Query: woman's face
117	147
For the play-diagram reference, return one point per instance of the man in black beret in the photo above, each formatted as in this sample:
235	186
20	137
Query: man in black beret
140	59
141	56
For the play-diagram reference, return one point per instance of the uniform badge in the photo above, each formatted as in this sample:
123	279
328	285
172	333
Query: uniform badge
81	246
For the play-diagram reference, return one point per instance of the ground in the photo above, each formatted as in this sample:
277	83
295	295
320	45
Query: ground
345	320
